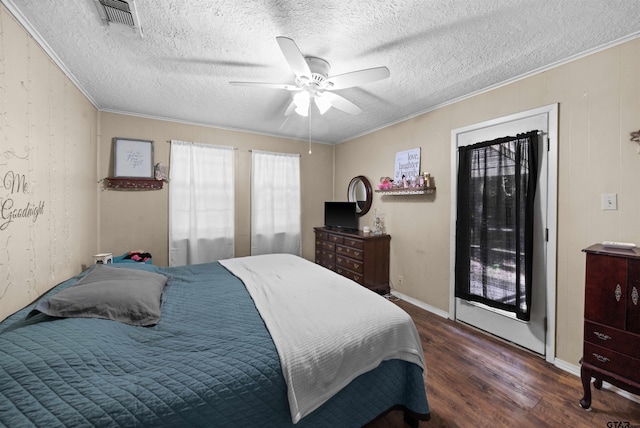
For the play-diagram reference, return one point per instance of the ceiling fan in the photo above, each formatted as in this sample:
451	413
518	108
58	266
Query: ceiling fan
313	84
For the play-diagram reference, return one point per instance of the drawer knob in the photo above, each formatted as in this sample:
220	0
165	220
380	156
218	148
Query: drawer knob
618	292
602	336
600	358
634	296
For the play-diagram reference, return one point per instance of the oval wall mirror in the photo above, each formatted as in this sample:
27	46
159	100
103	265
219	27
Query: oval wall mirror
360	192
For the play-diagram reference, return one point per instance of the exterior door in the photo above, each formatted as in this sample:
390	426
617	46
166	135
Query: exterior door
530	334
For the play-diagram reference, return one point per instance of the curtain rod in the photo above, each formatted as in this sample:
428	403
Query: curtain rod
275	153
192	142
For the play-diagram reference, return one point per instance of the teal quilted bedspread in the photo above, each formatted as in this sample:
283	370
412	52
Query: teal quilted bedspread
209	362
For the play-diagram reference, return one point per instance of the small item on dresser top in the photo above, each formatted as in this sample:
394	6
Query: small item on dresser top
619	245
378	224
366	229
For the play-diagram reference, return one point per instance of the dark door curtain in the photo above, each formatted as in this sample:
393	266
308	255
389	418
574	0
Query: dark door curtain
494	230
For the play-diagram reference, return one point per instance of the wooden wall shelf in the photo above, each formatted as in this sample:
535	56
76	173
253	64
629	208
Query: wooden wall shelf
132	183
407	191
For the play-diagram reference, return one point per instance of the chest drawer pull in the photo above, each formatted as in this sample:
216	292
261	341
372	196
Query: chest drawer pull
601	358
618	292
634	296
602	336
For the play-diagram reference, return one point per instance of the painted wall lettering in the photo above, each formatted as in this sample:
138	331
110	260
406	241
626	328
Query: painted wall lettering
15	186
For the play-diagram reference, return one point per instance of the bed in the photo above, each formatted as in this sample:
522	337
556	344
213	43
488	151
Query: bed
218	353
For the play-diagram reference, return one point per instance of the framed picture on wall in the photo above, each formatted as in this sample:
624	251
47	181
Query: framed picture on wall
132	158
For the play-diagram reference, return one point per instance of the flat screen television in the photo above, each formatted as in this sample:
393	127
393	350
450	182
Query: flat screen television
341	215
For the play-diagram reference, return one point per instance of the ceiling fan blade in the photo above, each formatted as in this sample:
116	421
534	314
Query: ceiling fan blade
357	78
294	57
342	103
290	109
266	85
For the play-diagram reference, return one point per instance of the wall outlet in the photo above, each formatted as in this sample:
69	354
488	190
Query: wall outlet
609	201
400	279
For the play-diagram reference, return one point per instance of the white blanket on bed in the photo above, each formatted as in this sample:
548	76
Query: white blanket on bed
326	328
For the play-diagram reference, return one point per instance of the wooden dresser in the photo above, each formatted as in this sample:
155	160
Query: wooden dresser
611	320
361	257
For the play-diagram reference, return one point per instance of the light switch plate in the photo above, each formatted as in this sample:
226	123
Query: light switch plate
609	201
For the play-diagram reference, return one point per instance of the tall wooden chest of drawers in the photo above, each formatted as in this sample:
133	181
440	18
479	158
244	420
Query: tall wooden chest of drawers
361	257
611	320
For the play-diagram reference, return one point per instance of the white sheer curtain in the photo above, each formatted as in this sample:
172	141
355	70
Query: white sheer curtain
275	203
201	203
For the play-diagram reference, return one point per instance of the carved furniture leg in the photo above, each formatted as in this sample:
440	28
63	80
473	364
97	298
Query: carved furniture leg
585	375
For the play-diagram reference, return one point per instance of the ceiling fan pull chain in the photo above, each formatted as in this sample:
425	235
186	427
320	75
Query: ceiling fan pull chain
309	128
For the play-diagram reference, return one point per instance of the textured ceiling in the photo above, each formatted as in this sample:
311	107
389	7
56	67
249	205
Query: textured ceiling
436	50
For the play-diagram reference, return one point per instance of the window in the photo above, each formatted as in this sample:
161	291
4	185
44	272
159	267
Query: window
275	203
201	203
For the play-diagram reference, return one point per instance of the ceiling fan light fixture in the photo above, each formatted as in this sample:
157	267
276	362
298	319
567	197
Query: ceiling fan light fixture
302	101
302	111
323	103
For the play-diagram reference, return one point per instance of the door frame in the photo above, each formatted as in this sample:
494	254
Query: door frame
550	262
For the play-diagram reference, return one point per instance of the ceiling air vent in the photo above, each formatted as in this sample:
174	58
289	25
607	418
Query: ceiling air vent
122	12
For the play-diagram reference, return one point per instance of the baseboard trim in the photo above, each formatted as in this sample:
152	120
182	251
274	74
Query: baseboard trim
567	367
420	304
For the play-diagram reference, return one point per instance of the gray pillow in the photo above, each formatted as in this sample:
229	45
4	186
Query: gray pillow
130	296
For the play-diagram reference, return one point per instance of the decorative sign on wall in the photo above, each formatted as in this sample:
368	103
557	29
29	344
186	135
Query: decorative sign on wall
132	158
15	189
407	164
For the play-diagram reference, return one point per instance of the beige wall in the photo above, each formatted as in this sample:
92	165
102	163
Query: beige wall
599	105
48	174
138	219
51	135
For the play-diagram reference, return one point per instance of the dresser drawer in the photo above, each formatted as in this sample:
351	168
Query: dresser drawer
635	366
612	361
326	263
612	338
354	265
355	243
325	258
336	239
328	246
351	275
354	253
321	236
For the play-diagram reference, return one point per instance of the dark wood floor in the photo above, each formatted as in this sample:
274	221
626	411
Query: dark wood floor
475	380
